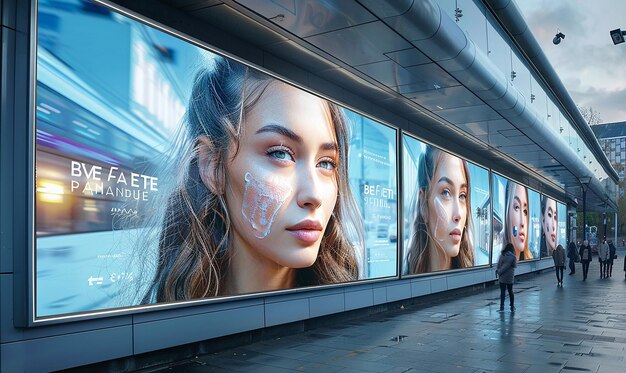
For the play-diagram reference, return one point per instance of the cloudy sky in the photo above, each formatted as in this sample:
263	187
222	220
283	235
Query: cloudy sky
590	66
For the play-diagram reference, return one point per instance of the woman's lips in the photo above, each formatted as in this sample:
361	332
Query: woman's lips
456	236
308	231
306	235
553	236
521	236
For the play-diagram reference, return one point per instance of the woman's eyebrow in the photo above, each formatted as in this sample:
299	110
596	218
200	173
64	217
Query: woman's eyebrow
444	179
281	130
447	180
284	131
329	146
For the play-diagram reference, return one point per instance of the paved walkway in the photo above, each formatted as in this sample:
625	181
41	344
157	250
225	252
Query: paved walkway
580	327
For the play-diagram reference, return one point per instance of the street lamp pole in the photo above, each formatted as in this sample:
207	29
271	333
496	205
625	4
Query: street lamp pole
584	183
584	213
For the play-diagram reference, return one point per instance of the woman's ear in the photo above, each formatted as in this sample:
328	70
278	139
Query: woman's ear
208	166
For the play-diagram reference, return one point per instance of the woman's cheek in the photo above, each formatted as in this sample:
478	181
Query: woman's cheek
262	198
442	217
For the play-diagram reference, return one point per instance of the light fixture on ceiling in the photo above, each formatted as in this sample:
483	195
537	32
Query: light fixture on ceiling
458	13
277	18
557	38
617	36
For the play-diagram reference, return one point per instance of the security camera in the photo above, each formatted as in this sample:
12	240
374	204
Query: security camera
557	38
617	35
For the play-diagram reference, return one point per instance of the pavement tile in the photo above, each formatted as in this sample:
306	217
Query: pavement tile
580	327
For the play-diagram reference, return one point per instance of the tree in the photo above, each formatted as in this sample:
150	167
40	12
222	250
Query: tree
591	116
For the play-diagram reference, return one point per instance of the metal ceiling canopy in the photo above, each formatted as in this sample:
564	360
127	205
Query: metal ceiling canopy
513	22
409	59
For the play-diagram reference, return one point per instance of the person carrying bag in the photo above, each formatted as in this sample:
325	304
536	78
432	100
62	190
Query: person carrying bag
506	274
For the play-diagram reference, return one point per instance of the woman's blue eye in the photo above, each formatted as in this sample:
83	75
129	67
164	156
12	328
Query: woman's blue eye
328	165
280	153
446	193
463	196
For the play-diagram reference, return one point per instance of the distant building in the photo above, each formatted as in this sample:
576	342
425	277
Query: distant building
612	139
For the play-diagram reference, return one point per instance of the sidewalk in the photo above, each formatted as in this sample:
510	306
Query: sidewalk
580	327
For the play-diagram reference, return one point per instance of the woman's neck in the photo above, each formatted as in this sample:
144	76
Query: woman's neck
249	272
439	261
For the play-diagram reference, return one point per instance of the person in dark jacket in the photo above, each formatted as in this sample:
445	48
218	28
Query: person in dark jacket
585	257
506	274
609	262
558	255
603	257
572	254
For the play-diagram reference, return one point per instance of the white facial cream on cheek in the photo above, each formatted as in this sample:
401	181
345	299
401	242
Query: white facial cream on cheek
261	201
442	215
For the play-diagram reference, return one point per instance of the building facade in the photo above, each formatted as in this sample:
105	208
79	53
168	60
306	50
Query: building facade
612	138
147	147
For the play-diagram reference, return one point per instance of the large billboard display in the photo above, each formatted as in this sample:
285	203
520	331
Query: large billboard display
446	210
516	219
552	231
535	230
562	225
166	173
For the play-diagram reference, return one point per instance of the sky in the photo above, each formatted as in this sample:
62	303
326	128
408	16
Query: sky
592	69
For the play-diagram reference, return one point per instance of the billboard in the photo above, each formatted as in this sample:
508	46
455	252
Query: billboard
446	210
167	173
562	224
551	234
535	227
516	219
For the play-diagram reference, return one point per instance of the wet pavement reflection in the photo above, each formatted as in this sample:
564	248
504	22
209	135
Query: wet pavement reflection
578	327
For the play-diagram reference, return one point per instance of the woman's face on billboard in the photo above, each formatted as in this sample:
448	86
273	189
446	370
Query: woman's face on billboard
518	218
550	222
447	204
281	186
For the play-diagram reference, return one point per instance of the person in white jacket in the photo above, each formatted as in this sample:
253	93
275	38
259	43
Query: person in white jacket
603	256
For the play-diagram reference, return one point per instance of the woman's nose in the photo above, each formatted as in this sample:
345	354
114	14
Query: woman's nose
309	189
456	211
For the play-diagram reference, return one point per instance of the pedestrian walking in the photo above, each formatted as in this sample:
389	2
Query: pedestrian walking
603	257
585	257
558	255
612	255
572	254
625	267
506	274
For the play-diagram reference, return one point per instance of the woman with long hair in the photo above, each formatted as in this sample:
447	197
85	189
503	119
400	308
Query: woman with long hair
441	226
262	200
549	223
516	219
